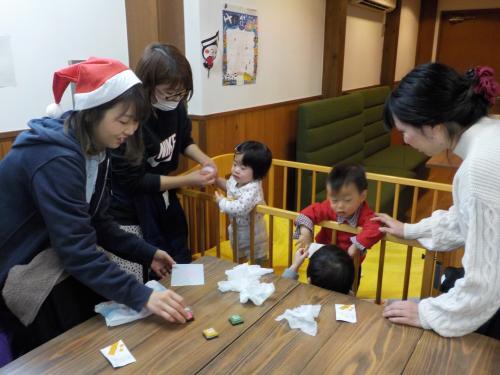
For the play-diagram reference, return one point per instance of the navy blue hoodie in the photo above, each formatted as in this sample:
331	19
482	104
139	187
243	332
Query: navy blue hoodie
43	204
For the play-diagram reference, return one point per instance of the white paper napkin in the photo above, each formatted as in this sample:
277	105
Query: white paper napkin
303	318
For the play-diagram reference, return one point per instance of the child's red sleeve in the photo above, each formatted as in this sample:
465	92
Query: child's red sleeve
370	233
317	212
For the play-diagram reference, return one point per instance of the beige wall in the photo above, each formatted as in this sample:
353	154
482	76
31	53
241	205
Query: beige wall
44	36
290	54
407	41
364	41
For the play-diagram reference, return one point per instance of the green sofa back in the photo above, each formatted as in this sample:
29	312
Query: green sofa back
376	137
329	131
348	128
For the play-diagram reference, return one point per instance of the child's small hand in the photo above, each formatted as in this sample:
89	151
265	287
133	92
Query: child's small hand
304	239
218	196
352	250
300	255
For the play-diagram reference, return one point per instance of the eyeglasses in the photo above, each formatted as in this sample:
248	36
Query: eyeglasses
172	96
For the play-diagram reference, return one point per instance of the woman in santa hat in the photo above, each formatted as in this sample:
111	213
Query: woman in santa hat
54	211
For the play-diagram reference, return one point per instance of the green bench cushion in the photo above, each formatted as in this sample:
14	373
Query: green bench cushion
401	157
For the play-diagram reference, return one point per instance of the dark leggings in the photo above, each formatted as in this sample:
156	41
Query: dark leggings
166	229
492	327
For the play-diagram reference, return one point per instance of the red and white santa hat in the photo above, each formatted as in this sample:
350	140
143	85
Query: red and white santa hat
97	81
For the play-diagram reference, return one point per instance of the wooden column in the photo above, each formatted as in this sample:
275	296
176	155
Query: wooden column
426	29
391	36
153	21
171	23
333	55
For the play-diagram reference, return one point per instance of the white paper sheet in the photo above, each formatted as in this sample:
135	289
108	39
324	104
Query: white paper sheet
187	274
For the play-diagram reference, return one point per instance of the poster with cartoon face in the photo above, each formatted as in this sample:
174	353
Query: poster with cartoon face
209	49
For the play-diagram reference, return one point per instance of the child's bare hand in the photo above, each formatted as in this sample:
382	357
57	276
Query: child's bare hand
300	255
352	250
304	239
218	196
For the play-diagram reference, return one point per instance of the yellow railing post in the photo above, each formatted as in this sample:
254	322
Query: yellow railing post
285	179
378	294
236	258
252	237
271	239
200	236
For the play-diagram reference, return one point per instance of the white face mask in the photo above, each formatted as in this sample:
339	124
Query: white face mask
165	105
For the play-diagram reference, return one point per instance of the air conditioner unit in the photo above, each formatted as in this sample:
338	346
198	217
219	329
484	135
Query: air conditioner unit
380	5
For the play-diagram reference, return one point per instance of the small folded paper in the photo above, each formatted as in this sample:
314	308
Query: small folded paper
346	313
118	354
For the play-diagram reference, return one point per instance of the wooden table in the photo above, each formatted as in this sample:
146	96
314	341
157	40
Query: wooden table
260	344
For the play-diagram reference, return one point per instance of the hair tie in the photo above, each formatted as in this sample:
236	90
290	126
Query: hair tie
486	84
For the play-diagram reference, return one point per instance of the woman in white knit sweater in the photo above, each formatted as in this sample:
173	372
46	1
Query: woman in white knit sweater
436	109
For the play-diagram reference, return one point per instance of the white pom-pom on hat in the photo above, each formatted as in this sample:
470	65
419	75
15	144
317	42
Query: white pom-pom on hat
54	110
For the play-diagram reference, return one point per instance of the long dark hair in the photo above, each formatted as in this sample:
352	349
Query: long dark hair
164	64
83	123
435	93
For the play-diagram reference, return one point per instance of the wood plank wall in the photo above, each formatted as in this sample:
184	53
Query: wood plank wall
274	124
6	140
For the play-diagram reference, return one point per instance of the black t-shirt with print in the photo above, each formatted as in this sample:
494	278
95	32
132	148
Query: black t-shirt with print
166	135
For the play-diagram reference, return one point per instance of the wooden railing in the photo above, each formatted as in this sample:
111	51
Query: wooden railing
205	232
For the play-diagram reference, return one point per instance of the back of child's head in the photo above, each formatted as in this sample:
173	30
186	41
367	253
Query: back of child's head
345	174
331	268
257	156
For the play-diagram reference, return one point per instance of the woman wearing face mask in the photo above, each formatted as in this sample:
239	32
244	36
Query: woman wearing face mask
143	196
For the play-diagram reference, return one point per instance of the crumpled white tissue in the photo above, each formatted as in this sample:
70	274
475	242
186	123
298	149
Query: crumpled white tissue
303	318
116	313
244	278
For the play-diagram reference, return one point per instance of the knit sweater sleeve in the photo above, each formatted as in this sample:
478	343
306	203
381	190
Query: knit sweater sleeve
476	297
440	231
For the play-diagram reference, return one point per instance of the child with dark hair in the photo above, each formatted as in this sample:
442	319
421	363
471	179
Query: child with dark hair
252	161
346	203
330	268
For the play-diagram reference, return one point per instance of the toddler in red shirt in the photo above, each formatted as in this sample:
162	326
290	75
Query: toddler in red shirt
346	189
